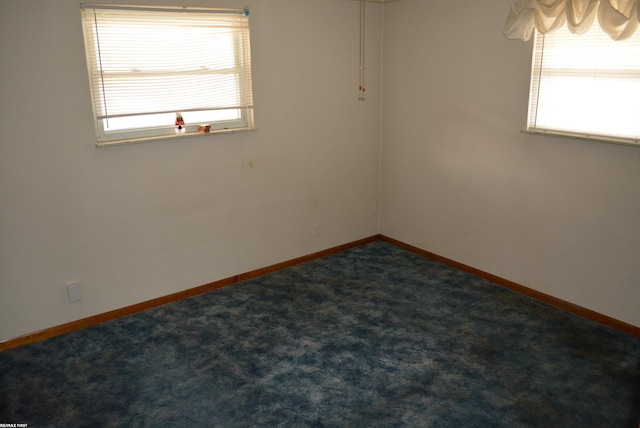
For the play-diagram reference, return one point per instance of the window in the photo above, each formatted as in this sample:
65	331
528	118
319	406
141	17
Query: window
586	85
149	65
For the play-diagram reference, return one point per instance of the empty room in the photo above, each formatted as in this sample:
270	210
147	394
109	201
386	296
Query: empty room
320	213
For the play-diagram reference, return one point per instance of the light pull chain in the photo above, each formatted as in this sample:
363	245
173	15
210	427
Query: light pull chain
361	88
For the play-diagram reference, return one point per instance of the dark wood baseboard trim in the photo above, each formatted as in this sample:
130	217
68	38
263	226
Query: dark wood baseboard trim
538	295
139	307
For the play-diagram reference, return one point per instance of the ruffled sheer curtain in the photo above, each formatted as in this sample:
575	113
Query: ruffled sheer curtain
618	18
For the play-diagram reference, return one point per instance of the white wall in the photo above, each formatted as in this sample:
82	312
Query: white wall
459	179
131	223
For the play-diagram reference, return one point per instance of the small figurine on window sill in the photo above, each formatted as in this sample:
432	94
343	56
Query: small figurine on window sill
180	124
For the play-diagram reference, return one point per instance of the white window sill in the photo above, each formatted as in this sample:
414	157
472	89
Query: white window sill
110	143
577	136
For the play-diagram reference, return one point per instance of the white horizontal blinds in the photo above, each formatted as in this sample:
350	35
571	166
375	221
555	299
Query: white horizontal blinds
586	84
147	61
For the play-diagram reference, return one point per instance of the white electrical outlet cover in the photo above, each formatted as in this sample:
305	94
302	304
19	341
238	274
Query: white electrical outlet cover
74	293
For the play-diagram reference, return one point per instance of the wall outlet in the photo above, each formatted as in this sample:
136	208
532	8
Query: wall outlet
73	291
315	230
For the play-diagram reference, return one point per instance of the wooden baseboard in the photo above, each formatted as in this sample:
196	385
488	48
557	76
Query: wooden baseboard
538	295
139	307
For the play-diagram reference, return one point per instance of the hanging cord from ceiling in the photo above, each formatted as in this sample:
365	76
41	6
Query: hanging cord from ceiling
361	88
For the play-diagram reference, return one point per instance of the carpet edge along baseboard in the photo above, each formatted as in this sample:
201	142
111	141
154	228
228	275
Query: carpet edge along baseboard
139	307
530	292
58	330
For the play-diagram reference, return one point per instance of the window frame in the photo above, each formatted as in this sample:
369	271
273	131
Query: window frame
533	105
241	72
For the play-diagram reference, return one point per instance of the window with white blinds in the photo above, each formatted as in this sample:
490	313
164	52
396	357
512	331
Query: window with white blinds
586	85
150	65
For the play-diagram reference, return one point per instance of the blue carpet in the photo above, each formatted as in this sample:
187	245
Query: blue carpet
372	336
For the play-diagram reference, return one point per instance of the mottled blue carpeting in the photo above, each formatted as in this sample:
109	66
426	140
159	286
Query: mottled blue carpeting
373	336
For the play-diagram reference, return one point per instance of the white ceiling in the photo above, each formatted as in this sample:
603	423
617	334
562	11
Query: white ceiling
378	1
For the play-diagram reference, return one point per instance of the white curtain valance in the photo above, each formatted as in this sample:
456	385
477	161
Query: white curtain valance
618	18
